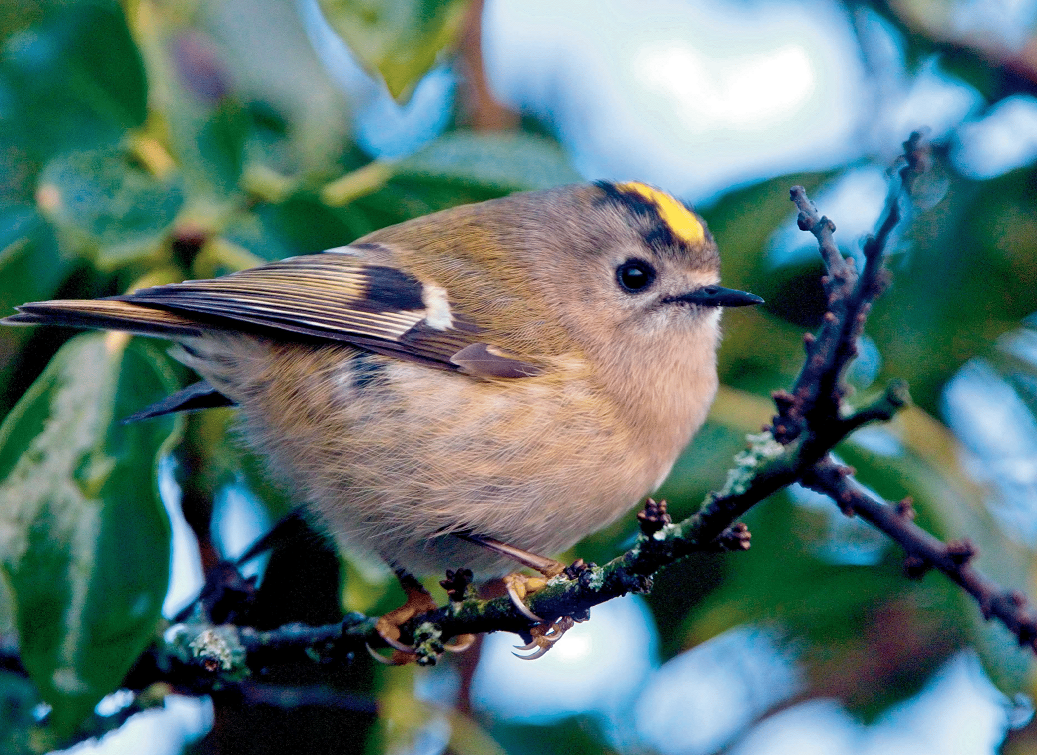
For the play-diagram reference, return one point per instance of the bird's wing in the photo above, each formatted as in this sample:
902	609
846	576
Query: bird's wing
334	296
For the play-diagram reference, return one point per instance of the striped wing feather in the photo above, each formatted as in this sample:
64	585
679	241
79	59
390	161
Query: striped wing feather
331	296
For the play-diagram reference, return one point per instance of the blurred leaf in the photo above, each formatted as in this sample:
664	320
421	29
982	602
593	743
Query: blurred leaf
839	618
458	168
408	722
74	81
398	39
16	16
743	220
31	269
299	225
951	506
19	732
364	589
248	237
940	26
85	545
106	205
992	406
793	293
573	736
221	142
975	252
505	162
196	114
402	718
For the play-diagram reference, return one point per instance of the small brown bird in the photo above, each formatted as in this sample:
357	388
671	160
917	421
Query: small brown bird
490	381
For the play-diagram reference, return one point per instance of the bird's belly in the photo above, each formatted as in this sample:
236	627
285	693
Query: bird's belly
391	458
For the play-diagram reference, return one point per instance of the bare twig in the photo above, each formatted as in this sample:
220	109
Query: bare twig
816	396
925	551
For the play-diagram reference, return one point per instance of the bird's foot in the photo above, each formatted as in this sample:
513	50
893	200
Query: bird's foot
543	634
543	637
519	586
419	601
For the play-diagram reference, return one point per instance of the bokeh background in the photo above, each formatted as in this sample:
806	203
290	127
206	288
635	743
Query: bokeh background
153	140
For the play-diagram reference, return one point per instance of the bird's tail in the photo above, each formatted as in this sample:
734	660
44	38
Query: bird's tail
134	318
107	314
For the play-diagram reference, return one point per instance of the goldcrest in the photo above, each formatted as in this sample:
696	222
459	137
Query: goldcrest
523	370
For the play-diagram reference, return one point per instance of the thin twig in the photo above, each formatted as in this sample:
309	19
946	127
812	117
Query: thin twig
924	551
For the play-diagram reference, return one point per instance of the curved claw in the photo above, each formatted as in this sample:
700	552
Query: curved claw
398	657
388	626
543	637
538	642
394	643
460	643
380	658
521	607
533	656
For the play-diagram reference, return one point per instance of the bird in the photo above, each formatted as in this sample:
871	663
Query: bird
482	385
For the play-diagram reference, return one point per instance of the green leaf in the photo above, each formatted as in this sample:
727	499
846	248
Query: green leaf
951	505
398	39
571	736
84	538
459	168
220	140
105	204
502	162
299	225
19	733
31	269
74	81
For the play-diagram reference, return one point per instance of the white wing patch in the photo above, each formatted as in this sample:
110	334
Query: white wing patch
437	307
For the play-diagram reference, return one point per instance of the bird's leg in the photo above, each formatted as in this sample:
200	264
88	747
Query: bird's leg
388	626
521	585
544	633
546	566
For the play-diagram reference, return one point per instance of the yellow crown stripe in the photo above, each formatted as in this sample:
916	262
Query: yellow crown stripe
681	221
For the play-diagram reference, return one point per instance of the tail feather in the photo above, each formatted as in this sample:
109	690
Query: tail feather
107	314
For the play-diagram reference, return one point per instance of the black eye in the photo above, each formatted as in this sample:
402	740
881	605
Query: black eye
635	275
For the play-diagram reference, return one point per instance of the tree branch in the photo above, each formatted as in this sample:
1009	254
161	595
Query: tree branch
924	551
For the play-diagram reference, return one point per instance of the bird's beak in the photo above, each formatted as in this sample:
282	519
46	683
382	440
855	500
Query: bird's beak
717	296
